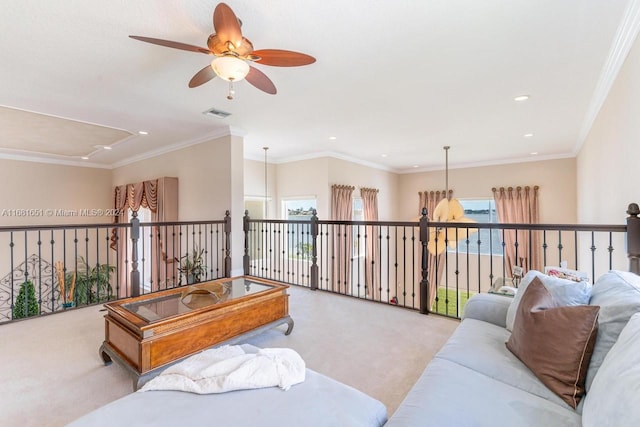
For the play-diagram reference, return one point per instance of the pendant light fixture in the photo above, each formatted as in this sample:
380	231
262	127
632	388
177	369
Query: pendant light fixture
447	210
266	195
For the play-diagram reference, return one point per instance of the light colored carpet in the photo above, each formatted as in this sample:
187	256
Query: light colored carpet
51	373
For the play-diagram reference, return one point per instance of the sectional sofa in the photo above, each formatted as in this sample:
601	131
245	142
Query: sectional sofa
476	380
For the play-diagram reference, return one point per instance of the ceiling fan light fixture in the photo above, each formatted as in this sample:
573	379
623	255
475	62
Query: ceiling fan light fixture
230	68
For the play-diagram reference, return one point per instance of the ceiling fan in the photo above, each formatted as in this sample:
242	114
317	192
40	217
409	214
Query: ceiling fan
233	53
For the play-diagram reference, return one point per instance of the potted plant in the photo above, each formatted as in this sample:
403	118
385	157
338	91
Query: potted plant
192	266
92	284
26	304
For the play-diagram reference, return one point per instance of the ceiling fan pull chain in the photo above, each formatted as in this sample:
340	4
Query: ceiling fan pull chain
231	91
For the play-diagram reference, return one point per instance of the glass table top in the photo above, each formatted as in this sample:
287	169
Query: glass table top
194	297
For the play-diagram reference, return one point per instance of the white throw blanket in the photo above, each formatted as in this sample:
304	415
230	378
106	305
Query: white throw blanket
229	368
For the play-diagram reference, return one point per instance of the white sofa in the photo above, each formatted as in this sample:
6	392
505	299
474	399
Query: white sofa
476	381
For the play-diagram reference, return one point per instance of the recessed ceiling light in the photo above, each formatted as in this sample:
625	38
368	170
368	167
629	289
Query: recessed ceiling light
85	157
534	153
106	147
333	138
415	166
520	98
143	132
383	155
528	135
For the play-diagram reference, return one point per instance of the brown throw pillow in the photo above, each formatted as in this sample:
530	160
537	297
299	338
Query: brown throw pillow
555	342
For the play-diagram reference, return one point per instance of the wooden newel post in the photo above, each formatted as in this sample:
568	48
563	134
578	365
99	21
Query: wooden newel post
245	229
227	244
135	236
424	263
633	238
314	251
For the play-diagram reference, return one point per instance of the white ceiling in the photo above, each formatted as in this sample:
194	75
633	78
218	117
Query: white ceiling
397	78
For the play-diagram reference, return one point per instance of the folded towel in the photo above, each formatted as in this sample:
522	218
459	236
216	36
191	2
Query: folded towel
229	368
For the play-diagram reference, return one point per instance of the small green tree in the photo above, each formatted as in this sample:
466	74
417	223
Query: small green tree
26	304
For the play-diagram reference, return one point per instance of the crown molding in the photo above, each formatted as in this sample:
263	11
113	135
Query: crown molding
49	158
334	155
218	133
491	163
622	43
283	160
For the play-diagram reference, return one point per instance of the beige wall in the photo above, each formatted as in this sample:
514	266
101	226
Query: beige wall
348	173
608	161
316	176
204	177
305	178
210	182
556	178
51	188
254	184
45	191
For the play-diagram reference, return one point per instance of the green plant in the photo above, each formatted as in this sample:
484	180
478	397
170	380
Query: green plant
26	304
92	283
192	266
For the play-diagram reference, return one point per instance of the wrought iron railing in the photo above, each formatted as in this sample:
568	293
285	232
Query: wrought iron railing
383	261
51	268
389	262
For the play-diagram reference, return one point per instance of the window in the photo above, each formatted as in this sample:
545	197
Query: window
299	236
482	211
299	209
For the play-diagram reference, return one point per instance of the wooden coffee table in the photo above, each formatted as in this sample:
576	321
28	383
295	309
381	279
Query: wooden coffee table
145	334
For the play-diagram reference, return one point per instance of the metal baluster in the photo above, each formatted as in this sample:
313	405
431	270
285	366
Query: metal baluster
593	257
314	250
395	266
575	248
357	256
53	294
109	287
99	282
490	258
40	302
388	251
610	249
135	274
560	247
544	247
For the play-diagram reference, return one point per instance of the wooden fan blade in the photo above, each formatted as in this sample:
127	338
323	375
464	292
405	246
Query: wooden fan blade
202	76
175	45
227	25
258	79
283	58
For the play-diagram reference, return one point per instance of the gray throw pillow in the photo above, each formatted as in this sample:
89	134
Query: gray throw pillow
612	320
616	288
